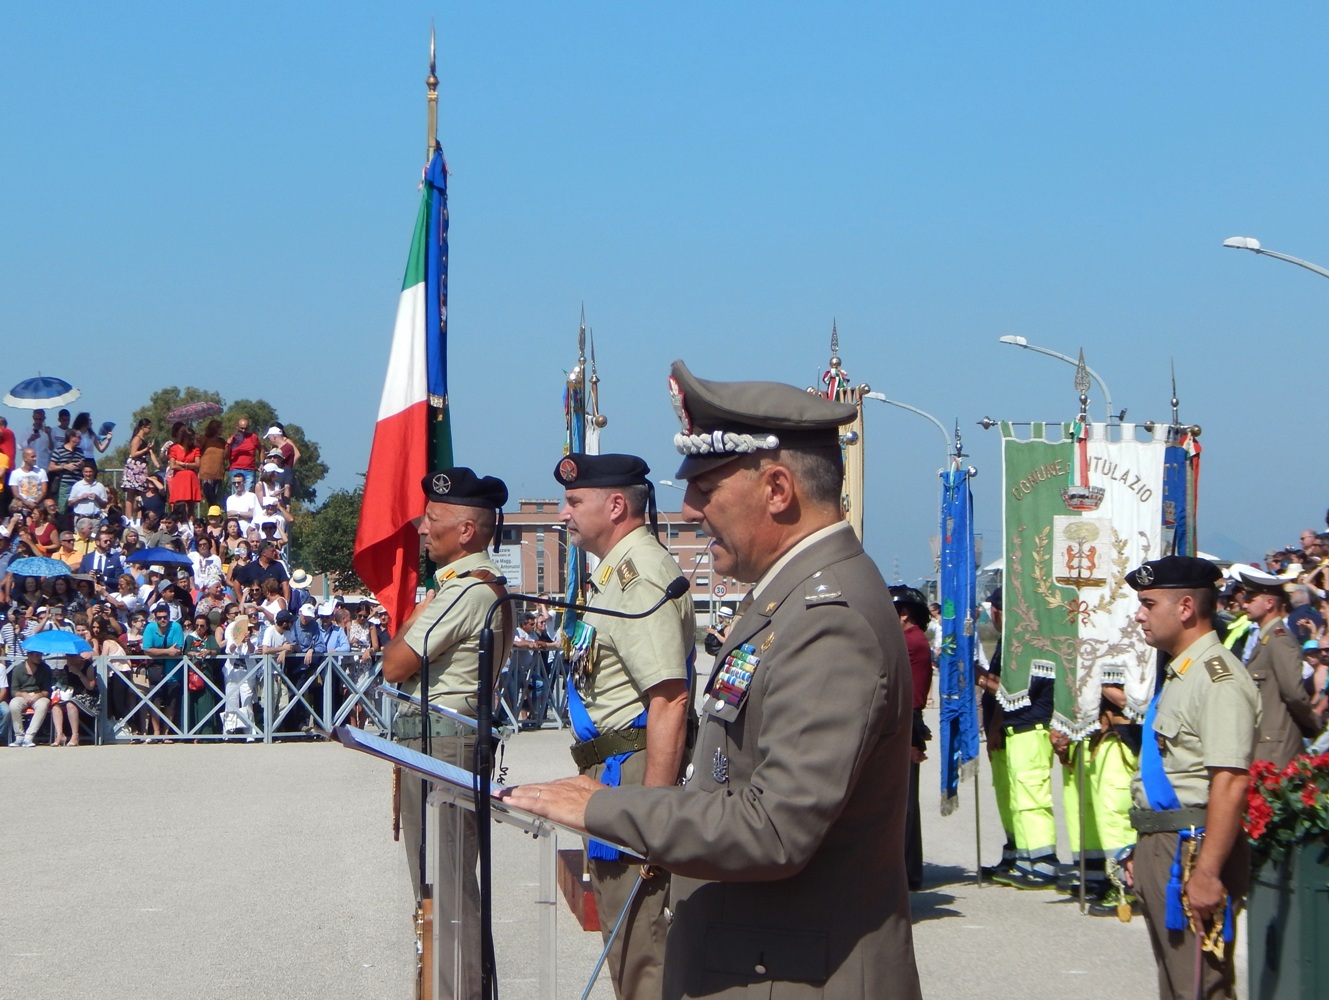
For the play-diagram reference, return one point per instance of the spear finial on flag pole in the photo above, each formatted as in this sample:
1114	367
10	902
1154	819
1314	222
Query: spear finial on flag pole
1082	386
431	84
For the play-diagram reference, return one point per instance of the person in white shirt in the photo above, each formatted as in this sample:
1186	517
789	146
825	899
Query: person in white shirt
88	497
207	567
241	644
242	504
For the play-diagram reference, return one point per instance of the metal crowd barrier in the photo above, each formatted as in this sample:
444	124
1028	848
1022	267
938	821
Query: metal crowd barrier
263	697
258	697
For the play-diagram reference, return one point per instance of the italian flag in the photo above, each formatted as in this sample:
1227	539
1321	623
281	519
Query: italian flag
412	430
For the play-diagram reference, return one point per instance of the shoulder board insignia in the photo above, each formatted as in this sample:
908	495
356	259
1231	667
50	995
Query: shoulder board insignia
1218	670
606	571
627	572
766	643
822	588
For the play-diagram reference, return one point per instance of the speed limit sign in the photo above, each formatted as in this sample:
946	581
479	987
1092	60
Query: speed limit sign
719	590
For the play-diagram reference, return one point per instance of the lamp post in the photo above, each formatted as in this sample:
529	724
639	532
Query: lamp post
1253	245
1017	341
945	435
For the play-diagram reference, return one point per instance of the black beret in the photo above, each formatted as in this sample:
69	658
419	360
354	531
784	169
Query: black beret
723	421
1175	573
578	471
463	487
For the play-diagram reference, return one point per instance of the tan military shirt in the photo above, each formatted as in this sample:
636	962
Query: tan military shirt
1206	718
630	656
454	643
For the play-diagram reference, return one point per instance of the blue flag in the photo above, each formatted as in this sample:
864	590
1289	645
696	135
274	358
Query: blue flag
959	634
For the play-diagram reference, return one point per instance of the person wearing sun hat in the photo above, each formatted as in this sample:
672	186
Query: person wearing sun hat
1190	791
436	655
786	843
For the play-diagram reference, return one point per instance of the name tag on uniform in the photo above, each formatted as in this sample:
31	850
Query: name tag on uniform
730	688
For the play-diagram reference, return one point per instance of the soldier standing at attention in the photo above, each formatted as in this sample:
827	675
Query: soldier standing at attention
1275	667
462	515
786	842
1190	791
631	707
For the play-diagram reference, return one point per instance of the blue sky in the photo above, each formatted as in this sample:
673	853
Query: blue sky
223	195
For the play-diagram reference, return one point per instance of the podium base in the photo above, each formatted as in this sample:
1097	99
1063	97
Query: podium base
576	888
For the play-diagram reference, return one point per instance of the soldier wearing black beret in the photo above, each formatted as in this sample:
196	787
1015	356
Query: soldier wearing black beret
631	706
1190	791
436	655
786	841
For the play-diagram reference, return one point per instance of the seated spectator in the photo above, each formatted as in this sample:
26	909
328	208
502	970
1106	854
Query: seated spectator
129	544
124	599
29	596
43	534
84	595
207	567
74	692
67	554
29	688
147	591
83	540
103	563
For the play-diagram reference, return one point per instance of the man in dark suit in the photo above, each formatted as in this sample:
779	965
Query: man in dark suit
102	563
786	841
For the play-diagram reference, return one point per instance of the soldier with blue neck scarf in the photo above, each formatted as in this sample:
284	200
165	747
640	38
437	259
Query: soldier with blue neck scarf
1191	864
630	707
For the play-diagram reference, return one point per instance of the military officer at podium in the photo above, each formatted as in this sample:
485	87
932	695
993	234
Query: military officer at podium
786	841
437	650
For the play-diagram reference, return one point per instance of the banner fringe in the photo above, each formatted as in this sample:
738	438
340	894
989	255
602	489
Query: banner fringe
949	803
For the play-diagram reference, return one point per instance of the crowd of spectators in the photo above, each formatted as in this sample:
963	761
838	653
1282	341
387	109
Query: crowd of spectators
185	557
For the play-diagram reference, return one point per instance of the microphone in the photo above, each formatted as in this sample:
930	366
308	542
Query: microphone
484	753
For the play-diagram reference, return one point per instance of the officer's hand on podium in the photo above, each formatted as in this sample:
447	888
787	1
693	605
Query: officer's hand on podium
563	801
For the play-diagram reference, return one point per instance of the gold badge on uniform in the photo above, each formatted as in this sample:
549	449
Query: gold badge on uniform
606	571
448	574
627	572
771	607
766	643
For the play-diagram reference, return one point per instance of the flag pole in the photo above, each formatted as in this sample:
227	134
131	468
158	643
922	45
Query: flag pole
431	99
839	389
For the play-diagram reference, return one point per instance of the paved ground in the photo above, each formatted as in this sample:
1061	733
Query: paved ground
253	872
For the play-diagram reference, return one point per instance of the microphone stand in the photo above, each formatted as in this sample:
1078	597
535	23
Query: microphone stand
484	757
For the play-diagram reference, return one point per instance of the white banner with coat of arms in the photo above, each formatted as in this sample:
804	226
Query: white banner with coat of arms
1080	513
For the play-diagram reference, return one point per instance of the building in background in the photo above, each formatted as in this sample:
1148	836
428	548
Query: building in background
534	554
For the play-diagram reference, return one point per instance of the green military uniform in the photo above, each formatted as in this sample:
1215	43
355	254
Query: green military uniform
1285	707
1204	717
787	840
626	659
452	625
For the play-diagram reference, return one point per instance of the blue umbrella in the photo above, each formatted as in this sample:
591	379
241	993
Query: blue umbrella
159	554
38	566
44	390
54	642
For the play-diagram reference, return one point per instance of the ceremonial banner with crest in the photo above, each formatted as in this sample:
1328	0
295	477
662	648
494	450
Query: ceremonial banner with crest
955	665
1080	512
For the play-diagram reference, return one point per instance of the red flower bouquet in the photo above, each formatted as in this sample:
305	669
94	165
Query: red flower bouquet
1288	807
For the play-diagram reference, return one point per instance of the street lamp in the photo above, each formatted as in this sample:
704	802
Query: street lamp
1253	245
1018	341
945	435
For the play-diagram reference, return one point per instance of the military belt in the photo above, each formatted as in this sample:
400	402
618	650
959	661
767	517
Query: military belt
611	744
1168	820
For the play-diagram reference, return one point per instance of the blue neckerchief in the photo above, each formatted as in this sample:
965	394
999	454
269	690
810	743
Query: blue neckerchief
612	775
1157	787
